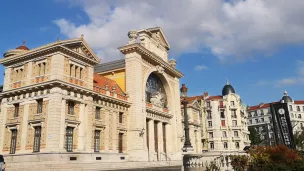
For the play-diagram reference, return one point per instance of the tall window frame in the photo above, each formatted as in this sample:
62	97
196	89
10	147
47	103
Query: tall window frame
37	139
97	140
14	133
39	106
69	139
120	117
71	106
16	112
97	112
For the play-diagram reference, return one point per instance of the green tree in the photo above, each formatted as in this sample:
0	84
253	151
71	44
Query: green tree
254	136
299	138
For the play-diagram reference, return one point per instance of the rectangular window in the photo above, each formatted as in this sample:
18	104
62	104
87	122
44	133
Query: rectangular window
16	113
256	121
210	134
236	134
71	105
224	134
290	108
39	105
120	117
37	138
120	143
13	141
97	113
303	108
209	115
298	109
299	116
234	123
212	145
96	140
223	123
262	119
222	114
232	103
225	145
233	113
69	139
209	124
250	121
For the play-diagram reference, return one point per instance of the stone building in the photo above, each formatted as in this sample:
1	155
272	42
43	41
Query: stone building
260	118
60	105
225	120
195	124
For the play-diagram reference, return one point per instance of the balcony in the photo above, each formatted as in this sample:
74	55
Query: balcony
233	107
224	138
222	107
36	117
122	126
208	108
233	116
209	117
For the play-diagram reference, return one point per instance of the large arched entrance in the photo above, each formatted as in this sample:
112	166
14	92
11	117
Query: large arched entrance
158	115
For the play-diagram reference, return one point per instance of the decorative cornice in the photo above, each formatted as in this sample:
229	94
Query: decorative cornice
152	56
60	83
47	49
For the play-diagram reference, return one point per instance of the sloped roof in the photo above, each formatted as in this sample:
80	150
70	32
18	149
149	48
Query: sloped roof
118	64
215	97
102	81
299	102
261	106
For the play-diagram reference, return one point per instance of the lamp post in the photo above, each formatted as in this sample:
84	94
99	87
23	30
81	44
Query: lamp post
187	144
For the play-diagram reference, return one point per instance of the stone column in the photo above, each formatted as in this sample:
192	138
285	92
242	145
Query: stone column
151	141
160	141
114	132
81	127
62	126
54	120
106	131
24	127
3	118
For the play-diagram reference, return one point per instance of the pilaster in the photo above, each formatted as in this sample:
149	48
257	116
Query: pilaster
57	69
24	127
54	120
106	131
62	126
81	127
151	141
3	118
134	86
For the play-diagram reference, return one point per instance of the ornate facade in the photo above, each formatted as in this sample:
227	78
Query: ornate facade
58	100
225	120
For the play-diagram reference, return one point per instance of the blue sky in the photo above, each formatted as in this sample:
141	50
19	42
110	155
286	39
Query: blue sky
243	41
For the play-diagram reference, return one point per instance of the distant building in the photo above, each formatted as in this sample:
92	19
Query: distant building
260	118
225	118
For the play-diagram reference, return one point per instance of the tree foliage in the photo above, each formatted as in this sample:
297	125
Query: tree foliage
279	158
299	138
254	136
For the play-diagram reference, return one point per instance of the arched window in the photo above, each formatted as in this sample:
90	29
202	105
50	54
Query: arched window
155	92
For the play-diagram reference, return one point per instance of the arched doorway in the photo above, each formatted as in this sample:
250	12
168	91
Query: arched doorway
158	116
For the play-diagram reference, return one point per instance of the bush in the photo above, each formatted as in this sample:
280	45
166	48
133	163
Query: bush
279	158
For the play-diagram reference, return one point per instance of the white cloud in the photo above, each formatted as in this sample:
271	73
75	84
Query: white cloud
201	67
237	28
297	79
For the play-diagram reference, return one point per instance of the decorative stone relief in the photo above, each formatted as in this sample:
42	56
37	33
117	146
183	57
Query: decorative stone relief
132	36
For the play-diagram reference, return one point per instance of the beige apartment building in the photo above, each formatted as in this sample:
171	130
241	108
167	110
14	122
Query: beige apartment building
224	119
60	105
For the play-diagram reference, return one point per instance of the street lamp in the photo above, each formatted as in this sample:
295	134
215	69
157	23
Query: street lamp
187	144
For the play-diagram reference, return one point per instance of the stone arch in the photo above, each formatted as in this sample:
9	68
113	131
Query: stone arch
164	79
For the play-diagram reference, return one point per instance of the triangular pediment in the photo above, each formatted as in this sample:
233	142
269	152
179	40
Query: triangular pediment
158	35
81	47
